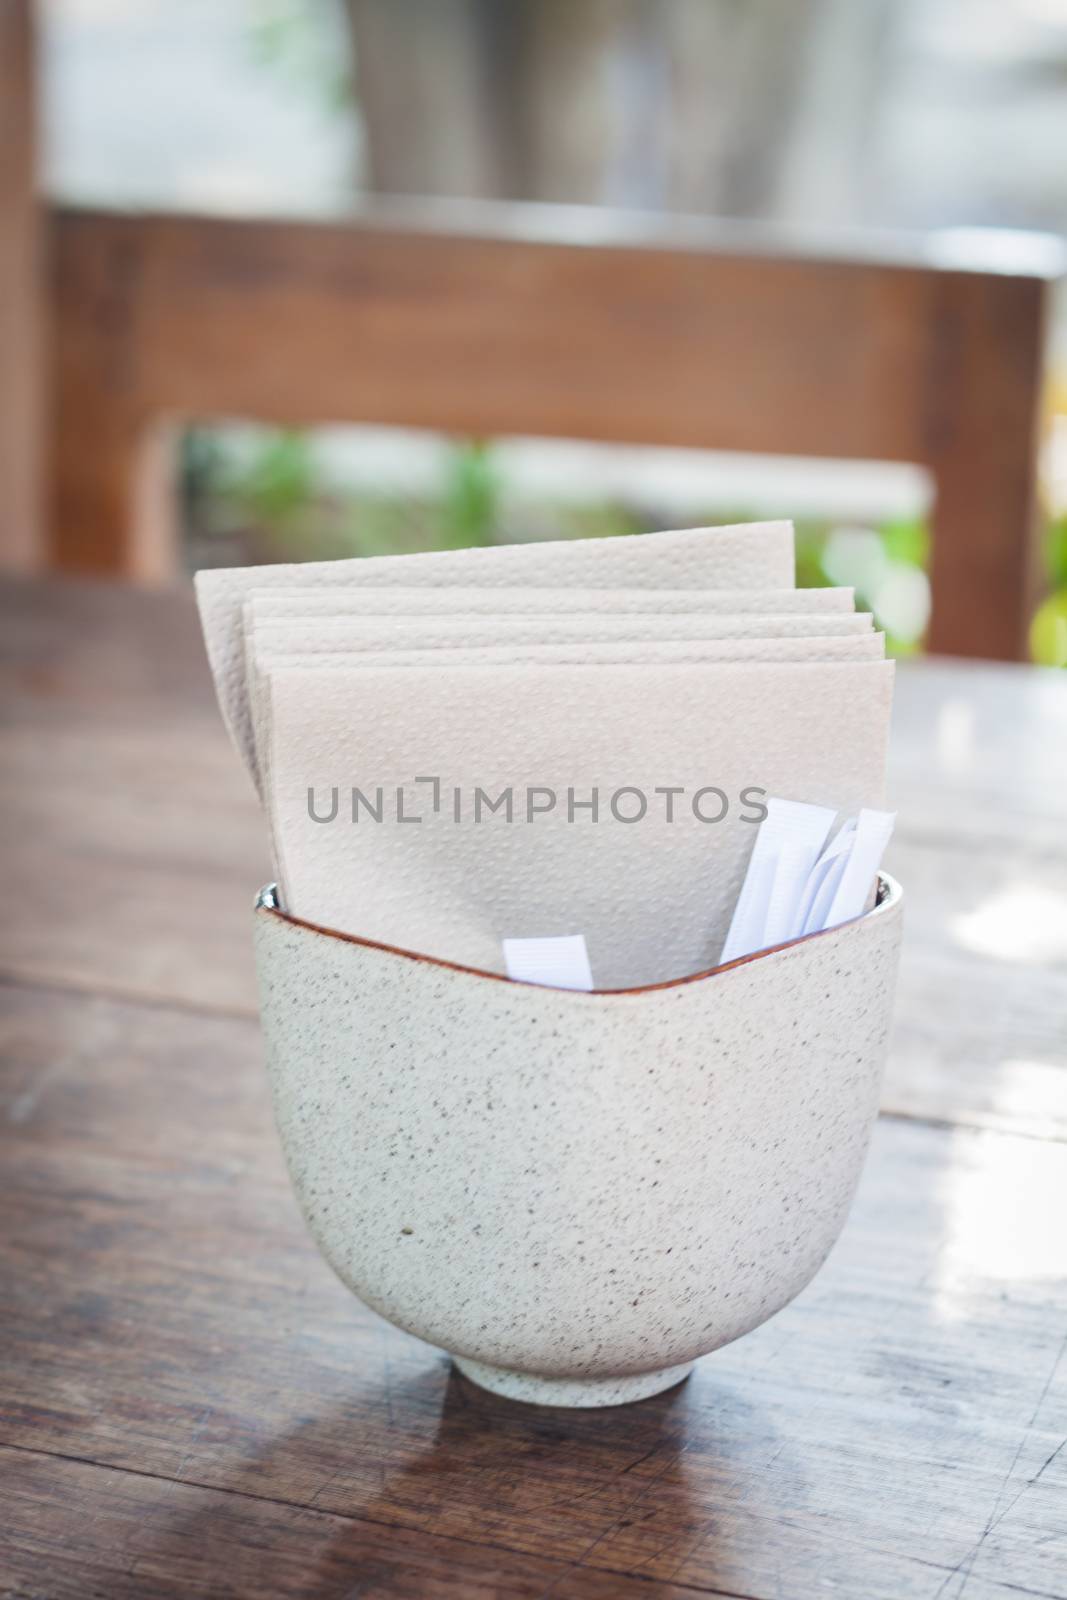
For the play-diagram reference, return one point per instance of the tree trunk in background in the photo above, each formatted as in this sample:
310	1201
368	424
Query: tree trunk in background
829	169
729	107
430	76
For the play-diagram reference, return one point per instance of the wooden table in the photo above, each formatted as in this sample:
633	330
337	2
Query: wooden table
191	1405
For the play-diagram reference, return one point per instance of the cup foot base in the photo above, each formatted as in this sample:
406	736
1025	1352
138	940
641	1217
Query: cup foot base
611	1391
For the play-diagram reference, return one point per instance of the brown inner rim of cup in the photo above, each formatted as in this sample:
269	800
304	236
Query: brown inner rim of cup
889	893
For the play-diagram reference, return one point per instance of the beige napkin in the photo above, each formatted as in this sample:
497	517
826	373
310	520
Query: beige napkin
274	638
333	637
420	633
338	641
537	600
844	647
653	897
428	733
751	556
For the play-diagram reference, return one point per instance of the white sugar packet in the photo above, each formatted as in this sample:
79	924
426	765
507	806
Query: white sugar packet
558	963
797	883
814	905
856	883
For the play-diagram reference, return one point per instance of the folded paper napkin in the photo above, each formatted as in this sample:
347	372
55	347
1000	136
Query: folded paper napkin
747	557
474	754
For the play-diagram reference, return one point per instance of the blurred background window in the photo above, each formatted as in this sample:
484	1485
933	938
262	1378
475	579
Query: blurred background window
846	114
881	113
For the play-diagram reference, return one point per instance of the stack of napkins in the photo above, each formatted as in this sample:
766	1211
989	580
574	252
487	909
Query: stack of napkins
528	742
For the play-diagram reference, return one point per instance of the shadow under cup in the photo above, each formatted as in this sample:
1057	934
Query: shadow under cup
576	1194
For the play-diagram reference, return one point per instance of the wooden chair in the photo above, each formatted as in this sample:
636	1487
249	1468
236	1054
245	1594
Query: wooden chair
21	291
530	320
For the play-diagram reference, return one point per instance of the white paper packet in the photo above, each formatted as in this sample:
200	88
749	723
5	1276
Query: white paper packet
797	856
653	898
749	556
856	884
558	963
786	849
797	884
814	907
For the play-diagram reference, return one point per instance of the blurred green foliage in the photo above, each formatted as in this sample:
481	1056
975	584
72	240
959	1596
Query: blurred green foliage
288	37
269	503
470	501
280	482
1048	631
907	540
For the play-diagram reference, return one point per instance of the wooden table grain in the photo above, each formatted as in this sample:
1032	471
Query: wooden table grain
191	1405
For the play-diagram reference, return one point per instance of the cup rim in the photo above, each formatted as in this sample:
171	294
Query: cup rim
888	898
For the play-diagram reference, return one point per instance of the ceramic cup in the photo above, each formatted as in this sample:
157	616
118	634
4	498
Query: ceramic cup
575	1194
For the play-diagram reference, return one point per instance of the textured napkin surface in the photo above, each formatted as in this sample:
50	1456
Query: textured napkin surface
835	647
427	733
332	638
419	633
749	556
535	600
653	898
648	653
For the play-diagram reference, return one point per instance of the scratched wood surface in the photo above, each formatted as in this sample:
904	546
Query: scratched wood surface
191	1405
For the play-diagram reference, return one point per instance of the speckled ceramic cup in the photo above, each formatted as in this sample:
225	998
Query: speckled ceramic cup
575	1194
